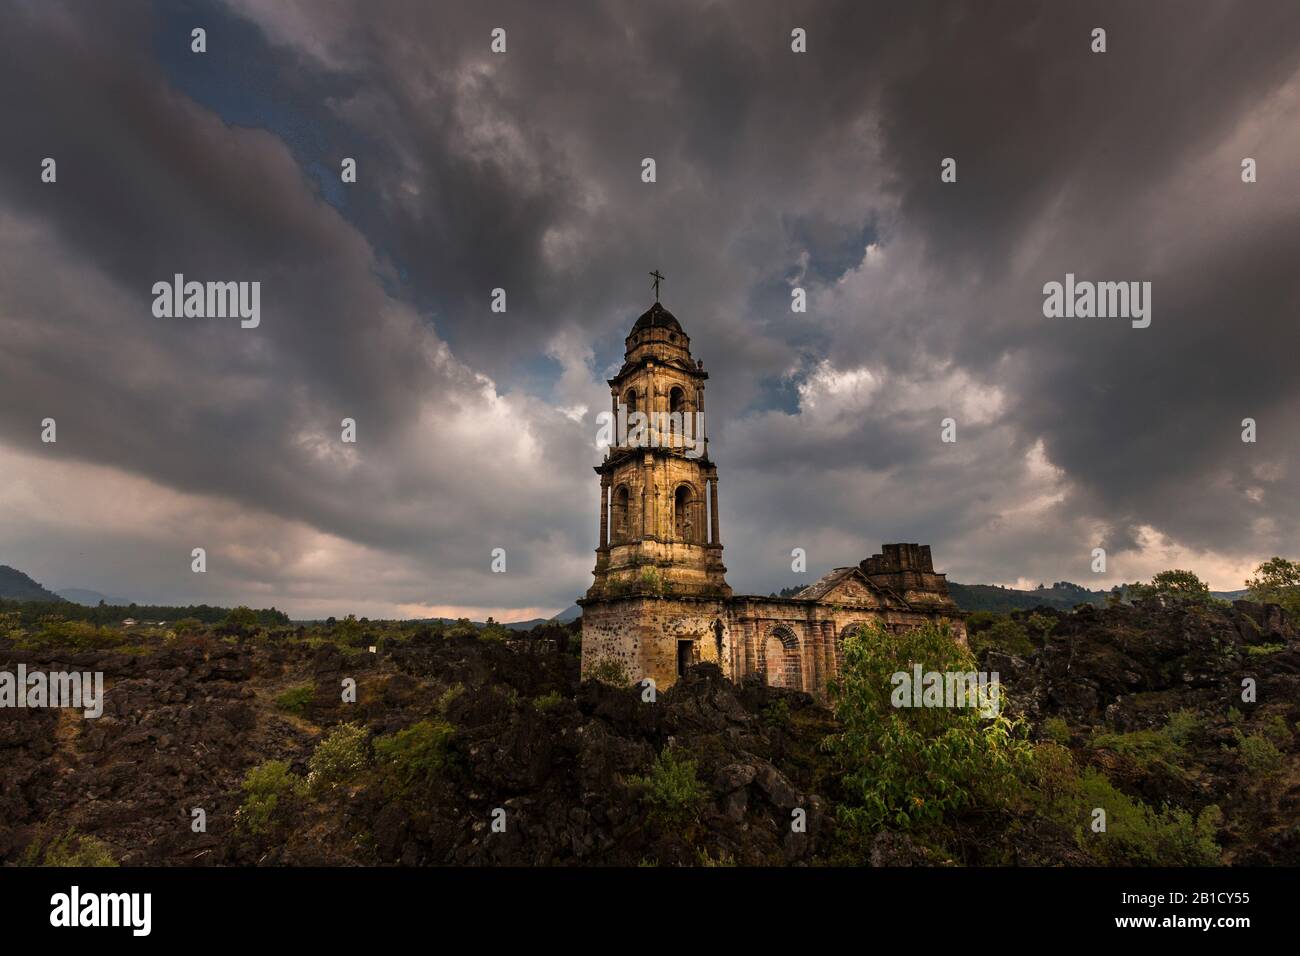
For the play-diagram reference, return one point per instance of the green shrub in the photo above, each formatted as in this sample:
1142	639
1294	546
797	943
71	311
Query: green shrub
1263	650
296	700
723	858
1139	835
338	758
268	788
908	767
1183	726
1258	753
71	849
609	671
672	788
1177	587
1004	635
776	714
1040	626
79	634
448	697
548	701
1149	749
1277	731
412	758
1277	581
1056	730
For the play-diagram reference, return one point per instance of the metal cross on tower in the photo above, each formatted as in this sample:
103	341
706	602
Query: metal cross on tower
658	278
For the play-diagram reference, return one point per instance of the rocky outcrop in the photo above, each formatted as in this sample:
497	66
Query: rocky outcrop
183	724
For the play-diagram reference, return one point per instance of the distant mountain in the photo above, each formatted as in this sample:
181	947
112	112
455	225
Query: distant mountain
1062	595
564	617
90	598
571	613
992	597
16	586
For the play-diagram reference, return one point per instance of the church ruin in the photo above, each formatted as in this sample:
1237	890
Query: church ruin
660	601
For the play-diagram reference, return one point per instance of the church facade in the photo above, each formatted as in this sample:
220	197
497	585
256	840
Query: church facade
660	602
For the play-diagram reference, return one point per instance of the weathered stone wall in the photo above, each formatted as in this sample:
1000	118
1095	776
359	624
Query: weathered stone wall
643	635
787	642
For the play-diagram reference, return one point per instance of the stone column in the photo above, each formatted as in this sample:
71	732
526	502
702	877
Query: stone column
751	659
832	655
604	511
813	657
713	510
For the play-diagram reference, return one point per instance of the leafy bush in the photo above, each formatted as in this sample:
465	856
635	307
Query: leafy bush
723	858
79	634
1258	753
910	766
1277	581
1183	725
672	788
1149	749
1041	626
548	701
338	758
1163	748
1056	730
296	700
268	787
776	714
412	758
1172	587
448	697
1263	650
71	849
1139	835
1276	730
240	620
609	671
1003	635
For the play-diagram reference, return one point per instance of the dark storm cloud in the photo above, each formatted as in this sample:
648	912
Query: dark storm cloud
774	169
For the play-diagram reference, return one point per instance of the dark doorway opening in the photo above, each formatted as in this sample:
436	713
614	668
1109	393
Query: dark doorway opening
685	656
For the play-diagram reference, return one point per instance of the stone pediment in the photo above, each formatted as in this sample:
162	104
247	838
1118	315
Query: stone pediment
850	587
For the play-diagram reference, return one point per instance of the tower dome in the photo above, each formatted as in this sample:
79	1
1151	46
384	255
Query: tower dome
657	317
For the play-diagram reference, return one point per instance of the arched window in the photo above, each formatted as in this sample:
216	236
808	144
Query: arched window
620	516
684	522
629	399
676	412
781	659
845	633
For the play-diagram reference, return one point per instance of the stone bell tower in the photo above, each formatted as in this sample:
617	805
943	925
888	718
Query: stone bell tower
658	488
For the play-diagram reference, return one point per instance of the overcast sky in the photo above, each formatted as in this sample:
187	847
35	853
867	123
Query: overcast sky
522	170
